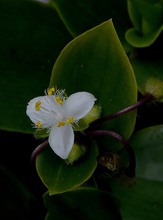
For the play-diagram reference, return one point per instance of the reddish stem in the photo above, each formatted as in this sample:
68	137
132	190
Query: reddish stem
103	119
38	149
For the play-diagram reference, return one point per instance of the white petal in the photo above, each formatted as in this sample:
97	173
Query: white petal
79	104
31	111
50	111
61	140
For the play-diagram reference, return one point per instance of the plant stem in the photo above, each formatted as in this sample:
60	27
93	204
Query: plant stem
38	150
103	119
130	171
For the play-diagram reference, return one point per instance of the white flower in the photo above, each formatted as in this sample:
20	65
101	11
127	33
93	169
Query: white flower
58	113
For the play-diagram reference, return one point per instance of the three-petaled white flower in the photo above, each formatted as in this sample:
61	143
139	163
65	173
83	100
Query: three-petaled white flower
57	113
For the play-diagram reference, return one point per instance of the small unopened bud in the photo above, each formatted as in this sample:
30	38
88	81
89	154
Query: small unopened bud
76	152
93	114
154	87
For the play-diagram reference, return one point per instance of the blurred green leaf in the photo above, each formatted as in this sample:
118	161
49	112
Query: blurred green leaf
75	14
134	15
140	41
148	147
59	177
150	12
96	62
32	35
80	16
146	17
14	198
82	203
144	201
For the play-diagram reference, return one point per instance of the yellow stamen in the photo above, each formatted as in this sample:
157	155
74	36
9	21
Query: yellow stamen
51	91
70	120
39	124
37	105
58	99
61	123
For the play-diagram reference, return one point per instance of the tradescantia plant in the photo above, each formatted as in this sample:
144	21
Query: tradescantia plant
87	84
56	114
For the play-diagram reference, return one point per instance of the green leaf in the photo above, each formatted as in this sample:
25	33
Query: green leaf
14	198
29	46
59	177
140	41
70	11
150	12
80	16
148	147
134	15
96	62
146	17
82	203
144	201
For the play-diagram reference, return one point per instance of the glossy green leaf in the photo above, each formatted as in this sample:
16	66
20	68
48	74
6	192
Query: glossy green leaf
96	62
82	203
59	177
32	35
144	201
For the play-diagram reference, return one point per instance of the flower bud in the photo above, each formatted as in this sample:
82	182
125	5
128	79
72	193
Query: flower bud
76	152
154	87
94	114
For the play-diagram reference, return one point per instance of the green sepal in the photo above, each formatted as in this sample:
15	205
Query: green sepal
41	133
81	125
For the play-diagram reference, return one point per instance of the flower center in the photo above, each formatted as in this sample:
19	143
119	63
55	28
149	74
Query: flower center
68	121
61	123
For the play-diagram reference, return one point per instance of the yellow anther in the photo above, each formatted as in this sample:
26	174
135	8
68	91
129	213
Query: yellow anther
39	124
37	105
51	91
70	120
58	99
61	123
